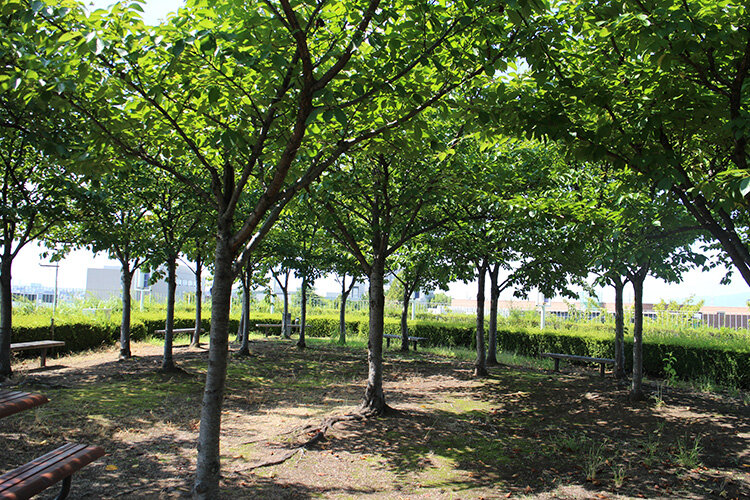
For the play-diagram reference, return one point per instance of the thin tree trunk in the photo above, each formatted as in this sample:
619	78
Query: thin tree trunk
636	391
480	365
285	328
303	315
167	362
196	341
404	316
342	312
244	331
619	285
374	401
208	464
126	279
494	298
6	316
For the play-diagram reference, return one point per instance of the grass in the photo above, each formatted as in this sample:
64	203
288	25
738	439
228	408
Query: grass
521	431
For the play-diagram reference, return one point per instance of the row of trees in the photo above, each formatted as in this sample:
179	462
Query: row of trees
389	132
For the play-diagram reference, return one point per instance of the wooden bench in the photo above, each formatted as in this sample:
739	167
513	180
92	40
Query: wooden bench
571	357
177	330
39	344
411	339
14	401
267	326
41	473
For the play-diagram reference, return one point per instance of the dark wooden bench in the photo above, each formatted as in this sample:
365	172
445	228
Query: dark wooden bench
177	330
41	473
572	357
43	345
411	339
267	326
14	401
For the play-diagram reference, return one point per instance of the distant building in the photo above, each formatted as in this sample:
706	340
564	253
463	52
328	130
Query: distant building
104	283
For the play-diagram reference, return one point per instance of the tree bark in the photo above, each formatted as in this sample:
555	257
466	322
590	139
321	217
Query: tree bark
494	299
342	312
126	278
196	340
619	285
208	464
637	278
404	316
167	362
303	315
374	402
285	328
6	316
480	365
244	331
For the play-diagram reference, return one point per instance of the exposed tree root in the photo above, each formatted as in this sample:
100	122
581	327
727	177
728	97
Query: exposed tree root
318	434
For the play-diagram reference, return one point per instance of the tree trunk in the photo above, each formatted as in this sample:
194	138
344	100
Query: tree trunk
494	298
208	464
6	316
480	365
619	285
167	362
374	402
126	278
404	316
636	392
244	331
196	341
285	328
303	315
342	313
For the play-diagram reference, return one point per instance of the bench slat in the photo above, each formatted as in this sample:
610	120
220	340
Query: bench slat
578	358
14	401
38	344
42	472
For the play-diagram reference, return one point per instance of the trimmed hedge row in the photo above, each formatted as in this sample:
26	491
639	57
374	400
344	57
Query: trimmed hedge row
690	362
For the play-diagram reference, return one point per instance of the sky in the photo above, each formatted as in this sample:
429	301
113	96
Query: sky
72	271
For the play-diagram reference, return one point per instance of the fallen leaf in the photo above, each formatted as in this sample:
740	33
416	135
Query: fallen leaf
111	467
527	490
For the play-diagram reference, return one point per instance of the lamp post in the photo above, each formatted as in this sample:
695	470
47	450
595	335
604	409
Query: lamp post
56	265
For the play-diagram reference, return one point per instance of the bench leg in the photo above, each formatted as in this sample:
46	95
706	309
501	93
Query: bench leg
65	488
601	369
557	364
43	359
388	342
415	345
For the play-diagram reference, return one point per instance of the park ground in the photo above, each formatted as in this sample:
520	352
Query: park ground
524	432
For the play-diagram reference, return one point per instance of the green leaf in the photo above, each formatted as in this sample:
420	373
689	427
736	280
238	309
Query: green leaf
745	186
214	94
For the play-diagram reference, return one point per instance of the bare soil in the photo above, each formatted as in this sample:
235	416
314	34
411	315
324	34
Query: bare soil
521	433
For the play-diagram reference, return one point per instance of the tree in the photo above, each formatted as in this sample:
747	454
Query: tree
198	250
114	221
173	215
263	98
344	264
375	202
659	87
418	265
37	184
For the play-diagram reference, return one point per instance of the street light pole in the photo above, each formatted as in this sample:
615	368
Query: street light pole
56	265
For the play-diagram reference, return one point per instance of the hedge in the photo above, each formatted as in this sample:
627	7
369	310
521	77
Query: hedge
725	366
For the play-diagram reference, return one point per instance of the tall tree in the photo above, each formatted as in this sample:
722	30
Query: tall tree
418	265
376	201
174	214
248	89
37	189
657	86
113	221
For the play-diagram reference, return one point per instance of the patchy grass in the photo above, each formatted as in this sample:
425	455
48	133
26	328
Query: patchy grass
524	431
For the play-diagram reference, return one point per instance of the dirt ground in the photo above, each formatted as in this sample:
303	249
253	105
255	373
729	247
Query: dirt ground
521	433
